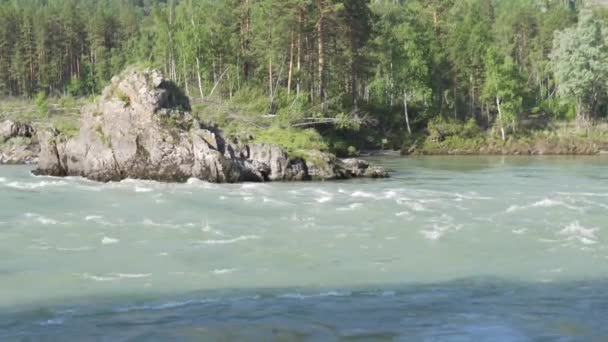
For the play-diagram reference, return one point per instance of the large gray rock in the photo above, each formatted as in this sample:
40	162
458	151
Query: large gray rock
19	154
16	145
141	128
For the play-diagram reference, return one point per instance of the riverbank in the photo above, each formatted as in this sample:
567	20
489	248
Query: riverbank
559	138
565	140
437	137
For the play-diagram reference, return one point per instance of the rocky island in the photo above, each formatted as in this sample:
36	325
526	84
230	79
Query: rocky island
141	128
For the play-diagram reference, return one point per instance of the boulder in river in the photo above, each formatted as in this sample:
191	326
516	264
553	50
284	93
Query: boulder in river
141	128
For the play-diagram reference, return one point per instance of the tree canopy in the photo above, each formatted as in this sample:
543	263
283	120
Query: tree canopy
488	60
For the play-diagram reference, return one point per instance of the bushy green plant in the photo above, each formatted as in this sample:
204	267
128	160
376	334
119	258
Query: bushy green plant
42	104
68	127
441	128
292	139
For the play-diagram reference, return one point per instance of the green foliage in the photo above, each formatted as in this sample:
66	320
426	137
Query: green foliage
42	104
579	62
254	65
106	140
124	99
557	108
441	128
293	140
66	126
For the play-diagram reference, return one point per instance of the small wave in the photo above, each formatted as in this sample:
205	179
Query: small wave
324	199
587	194
229	241
544	203
164	306
390	194
472	196
73	249
46	220
353	206
131	275
109	241
98	278
201	183
363	194
2	179
149	222
114	276
35	185
274	201
439	231
142	189
42	219
576	232
254	186
414	206
547	203
298	295
223	271
53	321
402	213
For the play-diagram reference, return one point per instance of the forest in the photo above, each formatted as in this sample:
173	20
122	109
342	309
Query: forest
374	71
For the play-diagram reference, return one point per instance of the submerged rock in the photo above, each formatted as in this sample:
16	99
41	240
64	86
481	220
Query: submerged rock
141	128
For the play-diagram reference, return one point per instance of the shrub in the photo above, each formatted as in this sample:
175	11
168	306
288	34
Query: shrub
291	139
42	104
68	127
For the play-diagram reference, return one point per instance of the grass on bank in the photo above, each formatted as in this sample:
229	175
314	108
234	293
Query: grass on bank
246	117
559	137
61	113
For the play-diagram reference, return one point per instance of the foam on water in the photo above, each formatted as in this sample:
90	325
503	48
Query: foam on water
229	241
109	241
435	231
324	199
35	185
576	232
351	207
544	203
222	271
74	249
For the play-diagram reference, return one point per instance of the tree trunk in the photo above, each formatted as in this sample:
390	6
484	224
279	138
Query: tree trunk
502	125
290	74
321	54
299	58
187	88
270	78
245	38
407	116
198	75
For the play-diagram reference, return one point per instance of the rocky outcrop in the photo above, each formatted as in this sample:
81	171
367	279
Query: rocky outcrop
10	129
16	144
141	128
19	153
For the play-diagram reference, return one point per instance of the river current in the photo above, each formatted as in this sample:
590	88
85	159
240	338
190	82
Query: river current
447	249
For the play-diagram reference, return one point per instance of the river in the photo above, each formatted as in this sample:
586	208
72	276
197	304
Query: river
448	249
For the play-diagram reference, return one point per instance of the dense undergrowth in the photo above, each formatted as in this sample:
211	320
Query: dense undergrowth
245	117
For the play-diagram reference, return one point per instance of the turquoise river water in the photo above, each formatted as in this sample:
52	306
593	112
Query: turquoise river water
448	249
